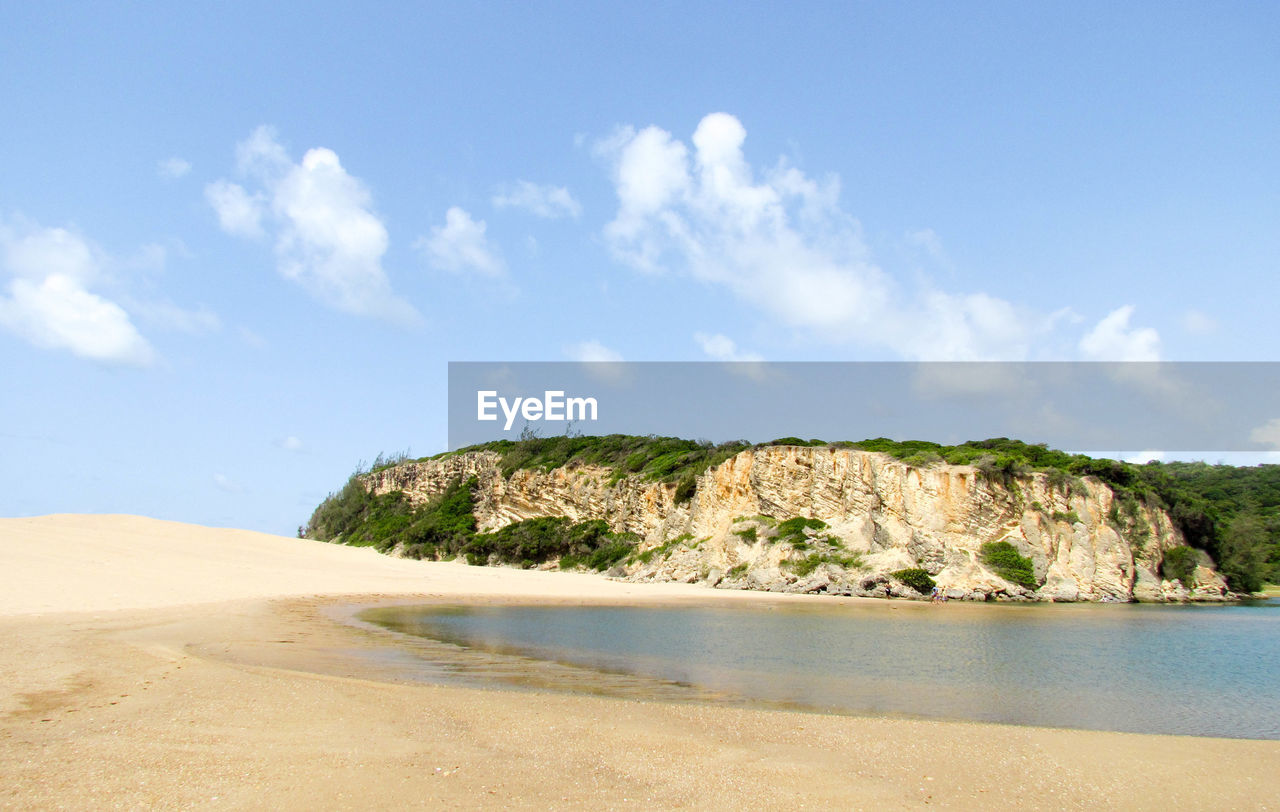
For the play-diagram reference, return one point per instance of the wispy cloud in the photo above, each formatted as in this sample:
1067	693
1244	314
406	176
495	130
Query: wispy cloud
722	348
239	213
291	443
592	352
460	246
173	168
550	202
1198	323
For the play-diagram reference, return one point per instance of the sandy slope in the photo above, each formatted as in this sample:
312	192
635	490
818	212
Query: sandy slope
133	653
77	563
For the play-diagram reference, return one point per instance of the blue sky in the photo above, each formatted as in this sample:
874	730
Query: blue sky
239	244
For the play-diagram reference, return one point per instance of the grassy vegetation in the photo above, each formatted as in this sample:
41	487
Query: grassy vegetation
807	565
446	527
916	578
1003	558
663	550
657	459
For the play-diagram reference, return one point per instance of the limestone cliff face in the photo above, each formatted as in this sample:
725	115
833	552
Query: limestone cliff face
882	516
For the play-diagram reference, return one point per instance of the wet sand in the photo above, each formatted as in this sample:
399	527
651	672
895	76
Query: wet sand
159	664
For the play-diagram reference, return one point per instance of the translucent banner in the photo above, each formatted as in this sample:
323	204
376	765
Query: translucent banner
1074	406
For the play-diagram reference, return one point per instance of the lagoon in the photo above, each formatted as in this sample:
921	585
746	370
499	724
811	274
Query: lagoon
1194	670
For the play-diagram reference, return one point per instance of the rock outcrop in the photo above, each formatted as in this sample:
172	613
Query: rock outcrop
881	516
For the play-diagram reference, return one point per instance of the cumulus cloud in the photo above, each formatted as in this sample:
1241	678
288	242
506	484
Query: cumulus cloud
550	202
328	238
1112	339
48	301
779	240
722	348
460	246
173	168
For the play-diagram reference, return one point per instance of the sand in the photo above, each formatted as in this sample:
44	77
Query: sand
157	664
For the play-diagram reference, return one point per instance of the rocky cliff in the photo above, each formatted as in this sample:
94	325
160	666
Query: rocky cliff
876	516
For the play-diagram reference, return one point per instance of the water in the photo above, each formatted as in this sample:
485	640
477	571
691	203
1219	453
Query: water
1197	670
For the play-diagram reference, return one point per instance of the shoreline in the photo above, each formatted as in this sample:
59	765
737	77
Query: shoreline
165	705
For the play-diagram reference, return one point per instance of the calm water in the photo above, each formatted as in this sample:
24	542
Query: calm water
1209	671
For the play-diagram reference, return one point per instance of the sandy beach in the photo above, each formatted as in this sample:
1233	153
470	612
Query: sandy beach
158	664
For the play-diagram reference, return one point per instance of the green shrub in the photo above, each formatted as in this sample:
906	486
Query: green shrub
916	578
736	570
1070	516
1180	564
792	531
1003	558
747	534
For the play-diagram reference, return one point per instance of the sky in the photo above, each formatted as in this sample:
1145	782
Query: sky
240	242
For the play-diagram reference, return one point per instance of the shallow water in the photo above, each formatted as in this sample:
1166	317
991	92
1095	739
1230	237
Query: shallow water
1197	670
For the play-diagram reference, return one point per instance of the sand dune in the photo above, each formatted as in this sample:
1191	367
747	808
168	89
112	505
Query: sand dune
156	664
81	563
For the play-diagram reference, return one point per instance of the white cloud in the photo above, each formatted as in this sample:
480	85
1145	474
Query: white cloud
239	213
327	237
173	168
545	201
460	245
48	301
722	348
1112	339
33	252
58	313
1268	433
780	241
1197	323
592	352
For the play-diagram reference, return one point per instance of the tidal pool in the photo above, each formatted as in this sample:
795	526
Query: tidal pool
1196	670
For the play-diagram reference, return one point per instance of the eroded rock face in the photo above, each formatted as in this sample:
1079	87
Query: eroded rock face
882	516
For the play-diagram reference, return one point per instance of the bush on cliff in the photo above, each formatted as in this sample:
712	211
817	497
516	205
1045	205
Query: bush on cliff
916	578
1179	564
535	541
1003	558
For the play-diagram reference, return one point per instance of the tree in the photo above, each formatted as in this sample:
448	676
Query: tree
1244	553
